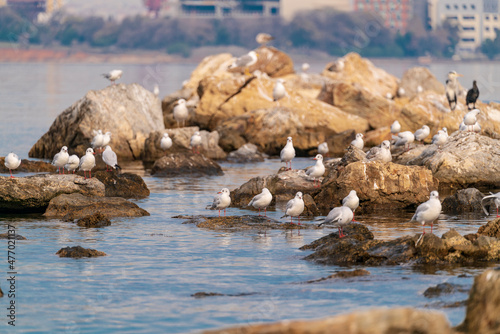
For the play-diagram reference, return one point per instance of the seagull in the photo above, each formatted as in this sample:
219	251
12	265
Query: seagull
305	67
221	201
401	92
496	198
445	130
98	140
109	157
472	95
428	212
106	138
262	200
12	161
287	153
351	201
317	170
113	75
294	207
323	148
196	141
452	89
87	162
166	142
476	127
470	119
395	127
422	133
279	91
382	153
73	163
440	138
358	142
404	138
181	112
156	90
245	61
263	38
420	89
61	159
339	216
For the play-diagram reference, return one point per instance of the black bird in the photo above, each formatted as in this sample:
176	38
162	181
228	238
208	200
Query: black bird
472	95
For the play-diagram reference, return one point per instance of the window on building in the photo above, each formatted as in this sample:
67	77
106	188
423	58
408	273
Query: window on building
467	39
487	17
472	6
495	18
468	17
468	28
448	7
452	17
464	6
456	6
487	28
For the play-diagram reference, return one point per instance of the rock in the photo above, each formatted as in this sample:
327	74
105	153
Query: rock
126	185
185	164
491	229
181	141
245	222
75	206
443	288
377	136
215	65
136	112
483	305
420	76
466	159
246	153
169	103
94	220
353	69
375	321
430	249
12	236
78	252
28	166
453	238
1	293
310	208
379	185
33	193
465	200
206	294
353	154
343	274
271	61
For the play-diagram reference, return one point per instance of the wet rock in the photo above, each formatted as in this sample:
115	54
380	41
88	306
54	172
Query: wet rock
483	305
465	200
491	229
185	164
79	252
28	166
245	222
126	185
420	76
94	220
375	321
443	288
136	112
75	206
343	274
358	232
246	153
202	294
33	193
466	159
1	293
181	141
453	238
310	207
12	236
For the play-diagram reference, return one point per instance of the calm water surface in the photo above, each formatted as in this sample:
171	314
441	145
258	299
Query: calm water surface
156	263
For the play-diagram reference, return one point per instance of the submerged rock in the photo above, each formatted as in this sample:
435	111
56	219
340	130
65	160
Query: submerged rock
245	222
78	252
343	275
465	200
185	164
12	236
443	288
126	185
246	153
94	220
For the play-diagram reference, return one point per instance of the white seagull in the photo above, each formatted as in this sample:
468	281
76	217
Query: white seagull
279	90
323	148
428	212
109	157
382	153
181	112
106	139
351	201
496	198
262	200
166	142
358	142
339	216
317	170
12	161
404	138
61	159
221	201
97	140
395	127
422	133
440	138
87	162
156	90
113	75
288	153
73	163
245	61
470	119
305	67
263	38
196	141
294	207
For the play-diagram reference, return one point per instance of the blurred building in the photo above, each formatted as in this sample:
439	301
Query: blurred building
395	13
476	20
289	8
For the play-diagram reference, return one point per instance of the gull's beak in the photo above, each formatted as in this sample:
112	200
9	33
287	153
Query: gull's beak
459	75
315	159
220	192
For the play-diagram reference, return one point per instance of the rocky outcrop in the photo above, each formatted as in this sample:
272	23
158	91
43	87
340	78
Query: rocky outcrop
79	252
94	220
126	185
420	78
29	166
185	164
491	229
270	61
76	206
246	153
33	193
12	236
181	139
244	222
467	159
130	112
465	200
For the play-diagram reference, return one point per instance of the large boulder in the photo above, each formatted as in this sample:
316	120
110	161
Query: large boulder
464	200
126	185
130	112
422	77
270	61
33	193
185	164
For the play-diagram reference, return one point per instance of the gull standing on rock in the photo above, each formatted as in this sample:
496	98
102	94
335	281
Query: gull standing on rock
106	139
422	133
110	159
262	200
61	159
395	127
294	207
470	119
428	212
97	141
452	89
113	75
305	67
73	163
245	61
87	162
181	112
317	170
439	139
496	200
404	138
196	142
339	216
382	153
288	153
323	148
279	90
12	161
166	142
221	201
263	38
351	201
358	142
